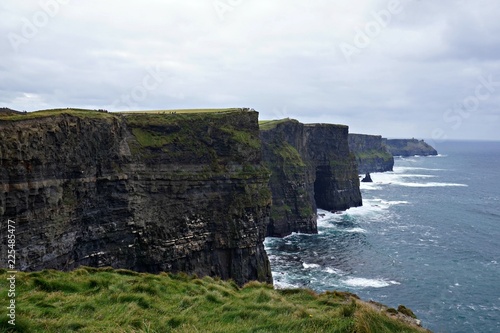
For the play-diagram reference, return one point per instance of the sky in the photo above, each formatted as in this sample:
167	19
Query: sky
398	68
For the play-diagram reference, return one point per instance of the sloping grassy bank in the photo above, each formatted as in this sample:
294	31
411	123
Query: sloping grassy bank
108	300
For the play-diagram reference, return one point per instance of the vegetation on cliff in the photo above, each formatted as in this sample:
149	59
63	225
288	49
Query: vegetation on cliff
196	133
311	167
106	300
82	113
150	191
371	153
409	147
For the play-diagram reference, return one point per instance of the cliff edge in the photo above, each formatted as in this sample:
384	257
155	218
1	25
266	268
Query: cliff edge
409	147
372	155
311	166
148	192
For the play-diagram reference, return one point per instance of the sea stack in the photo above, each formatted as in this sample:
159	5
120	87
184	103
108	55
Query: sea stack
367	178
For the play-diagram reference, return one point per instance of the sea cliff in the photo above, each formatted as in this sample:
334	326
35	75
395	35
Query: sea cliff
409	147
311	166
165	191
372	155
148	192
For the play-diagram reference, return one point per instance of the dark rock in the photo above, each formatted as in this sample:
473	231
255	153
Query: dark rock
145	192
371	153
311	166
409	147
166	192
367	178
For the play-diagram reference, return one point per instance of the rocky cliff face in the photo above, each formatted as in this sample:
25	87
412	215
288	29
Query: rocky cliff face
409	147
311	166
371	153
168	192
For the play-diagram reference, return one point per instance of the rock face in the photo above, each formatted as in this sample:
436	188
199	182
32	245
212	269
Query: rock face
311	166
169	192
371	153
409	147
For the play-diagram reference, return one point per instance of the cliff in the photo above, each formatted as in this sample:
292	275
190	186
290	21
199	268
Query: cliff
311	166
371	153
409	147
147	192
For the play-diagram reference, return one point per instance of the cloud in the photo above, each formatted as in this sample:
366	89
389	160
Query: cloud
280	57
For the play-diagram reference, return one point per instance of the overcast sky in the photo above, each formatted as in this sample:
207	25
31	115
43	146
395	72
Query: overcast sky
399	68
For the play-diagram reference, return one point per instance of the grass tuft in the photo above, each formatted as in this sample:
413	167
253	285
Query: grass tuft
117	301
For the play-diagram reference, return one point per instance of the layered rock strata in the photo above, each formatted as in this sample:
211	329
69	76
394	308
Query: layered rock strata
372	155
409	147
148	192
311	166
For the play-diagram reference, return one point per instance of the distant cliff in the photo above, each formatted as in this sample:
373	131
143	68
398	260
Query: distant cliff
311	166
148	192
409	147
372	155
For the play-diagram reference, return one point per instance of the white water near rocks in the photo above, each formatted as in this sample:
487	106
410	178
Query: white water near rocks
427	237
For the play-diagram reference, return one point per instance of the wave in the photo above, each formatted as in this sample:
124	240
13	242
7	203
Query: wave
284	285
355	230
368	283
408	180
337	221
294	234
307	266
400	169
432	184
413	175
374	205
335	271
369	186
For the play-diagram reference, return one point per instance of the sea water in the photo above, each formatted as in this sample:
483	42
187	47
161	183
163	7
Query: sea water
427	236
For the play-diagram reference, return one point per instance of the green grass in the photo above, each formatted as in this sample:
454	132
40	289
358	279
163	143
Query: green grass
195	134
289	154
266	125
107	300
83	113
183	111
373	154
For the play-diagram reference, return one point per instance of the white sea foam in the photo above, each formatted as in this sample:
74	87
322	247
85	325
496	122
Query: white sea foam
432	184
401	202
369	186
307	266
325	215
283	285
356	230
371	207
294	234
402	169
335	271
413	175
366	283
399	178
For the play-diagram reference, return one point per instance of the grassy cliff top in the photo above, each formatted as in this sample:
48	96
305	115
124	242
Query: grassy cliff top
215	110
85	113
107	300
266	125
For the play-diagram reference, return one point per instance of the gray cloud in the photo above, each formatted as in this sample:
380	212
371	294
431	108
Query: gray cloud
283	58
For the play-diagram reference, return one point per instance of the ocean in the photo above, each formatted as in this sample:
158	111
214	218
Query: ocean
427	237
